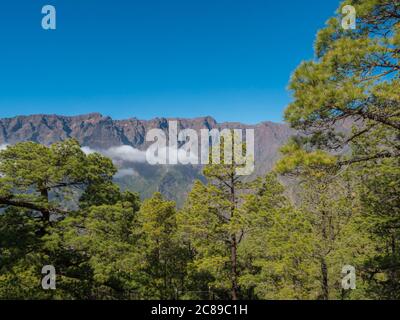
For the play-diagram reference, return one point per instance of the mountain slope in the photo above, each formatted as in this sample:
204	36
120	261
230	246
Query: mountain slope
101	133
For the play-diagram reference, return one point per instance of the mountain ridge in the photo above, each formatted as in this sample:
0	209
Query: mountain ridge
99	132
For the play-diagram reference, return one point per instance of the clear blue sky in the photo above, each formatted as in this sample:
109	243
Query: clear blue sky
230	59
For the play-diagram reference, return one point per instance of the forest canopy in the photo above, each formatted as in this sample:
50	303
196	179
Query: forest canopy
332	200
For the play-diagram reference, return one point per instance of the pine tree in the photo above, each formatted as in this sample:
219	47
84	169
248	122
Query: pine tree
214	223
163	257
355	77
378	186
329	201
278	248
40	189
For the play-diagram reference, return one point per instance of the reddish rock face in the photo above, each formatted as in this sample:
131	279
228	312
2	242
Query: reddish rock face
100	132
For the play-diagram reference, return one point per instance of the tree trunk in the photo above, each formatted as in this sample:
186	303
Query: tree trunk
235	287
325	282
234	271
324	266
45	212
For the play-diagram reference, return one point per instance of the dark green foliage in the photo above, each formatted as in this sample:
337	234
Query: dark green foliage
233	239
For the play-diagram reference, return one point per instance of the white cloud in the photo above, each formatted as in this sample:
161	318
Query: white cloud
125	172
121	153
88	150
3	147
121	156
182	155
129	154
126	153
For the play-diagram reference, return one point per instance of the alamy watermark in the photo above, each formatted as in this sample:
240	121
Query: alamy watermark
349	20
349	277
49	21
188	146
49	280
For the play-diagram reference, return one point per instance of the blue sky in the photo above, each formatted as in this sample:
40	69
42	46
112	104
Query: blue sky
230	59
